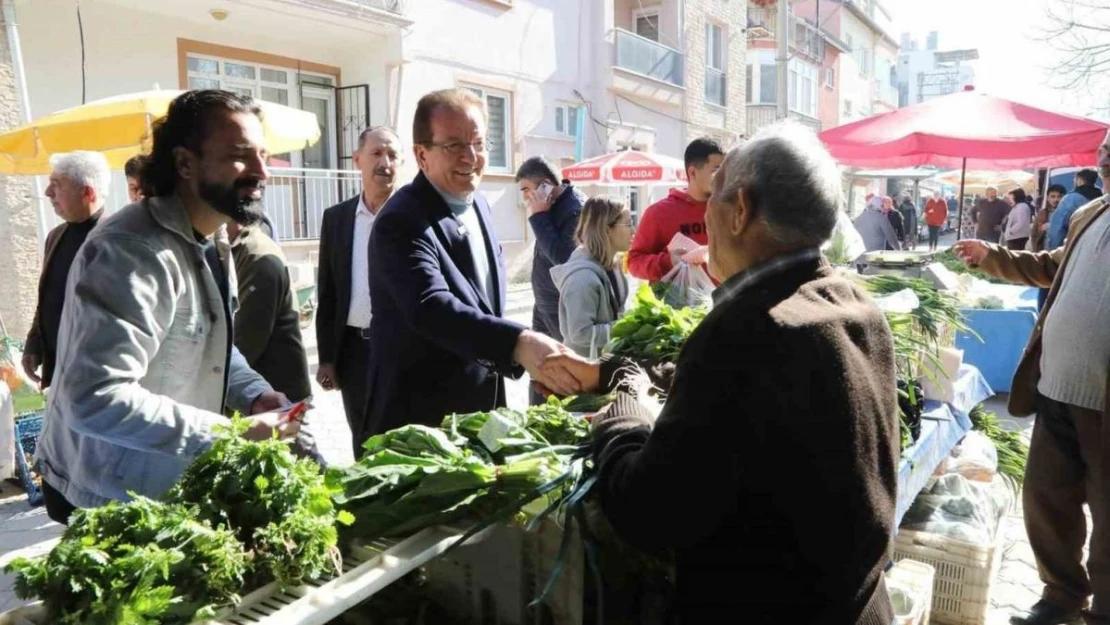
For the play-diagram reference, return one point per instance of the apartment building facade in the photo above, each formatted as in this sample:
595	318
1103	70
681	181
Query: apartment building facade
567	79
926	72
842	64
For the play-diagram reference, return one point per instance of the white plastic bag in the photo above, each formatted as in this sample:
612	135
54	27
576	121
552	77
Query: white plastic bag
904	302
686	284
845	244
975	458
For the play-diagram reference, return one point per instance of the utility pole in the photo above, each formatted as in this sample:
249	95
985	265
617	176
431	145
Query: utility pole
782	38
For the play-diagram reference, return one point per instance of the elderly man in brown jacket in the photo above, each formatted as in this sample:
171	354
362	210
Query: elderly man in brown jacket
1063	378
787	383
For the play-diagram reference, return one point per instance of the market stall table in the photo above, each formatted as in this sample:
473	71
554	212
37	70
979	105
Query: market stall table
1004	334
942	426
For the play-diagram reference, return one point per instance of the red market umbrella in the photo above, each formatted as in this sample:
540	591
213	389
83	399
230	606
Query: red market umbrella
629	167
967	130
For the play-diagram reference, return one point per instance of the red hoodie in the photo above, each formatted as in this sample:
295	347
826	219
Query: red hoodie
648	258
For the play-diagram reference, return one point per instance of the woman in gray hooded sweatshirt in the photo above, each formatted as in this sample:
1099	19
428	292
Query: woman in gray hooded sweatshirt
592	286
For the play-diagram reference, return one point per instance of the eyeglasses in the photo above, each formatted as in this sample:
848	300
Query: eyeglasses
621	224
458	148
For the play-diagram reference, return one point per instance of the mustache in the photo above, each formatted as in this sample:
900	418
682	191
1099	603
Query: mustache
383	171
249	183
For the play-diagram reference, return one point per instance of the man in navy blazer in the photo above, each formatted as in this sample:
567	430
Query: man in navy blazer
439	343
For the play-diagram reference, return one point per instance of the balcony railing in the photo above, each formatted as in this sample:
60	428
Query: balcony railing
716	91
296	198
393	6
649	58
760	115
885	92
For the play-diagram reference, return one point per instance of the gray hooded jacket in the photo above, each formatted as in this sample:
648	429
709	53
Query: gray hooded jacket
586	302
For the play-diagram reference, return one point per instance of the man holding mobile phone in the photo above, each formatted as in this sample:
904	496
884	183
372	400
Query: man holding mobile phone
553	210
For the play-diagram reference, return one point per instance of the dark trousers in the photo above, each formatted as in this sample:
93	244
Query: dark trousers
1017	244
354	361
1069	466
934	236
58	507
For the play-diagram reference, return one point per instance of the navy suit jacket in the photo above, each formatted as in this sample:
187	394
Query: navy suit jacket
437	344
333	290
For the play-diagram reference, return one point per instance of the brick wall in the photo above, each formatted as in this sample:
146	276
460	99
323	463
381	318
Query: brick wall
727	123
19	245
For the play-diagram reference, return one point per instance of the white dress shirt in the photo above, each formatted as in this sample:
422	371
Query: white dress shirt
358	315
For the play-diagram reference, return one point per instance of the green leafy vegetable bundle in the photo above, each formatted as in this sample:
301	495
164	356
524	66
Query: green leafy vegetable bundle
136	563
937	317
652	330
279	506
1011	448
415	477
949	259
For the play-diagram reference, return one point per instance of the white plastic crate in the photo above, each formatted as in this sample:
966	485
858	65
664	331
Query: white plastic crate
964	575
493	582
916	580
366	570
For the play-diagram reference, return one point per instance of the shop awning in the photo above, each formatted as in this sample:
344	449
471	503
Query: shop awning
630	167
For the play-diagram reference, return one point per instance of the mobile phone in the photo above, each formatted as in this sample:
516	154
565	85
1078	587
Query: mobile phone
544	191
297	411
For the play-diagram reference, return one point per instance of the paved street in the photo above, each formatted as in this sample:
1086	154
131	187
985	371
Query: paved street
27	531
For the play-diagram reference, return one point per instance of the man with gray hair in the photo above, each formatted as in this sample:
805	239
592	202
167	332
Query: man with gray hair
77	190
793	361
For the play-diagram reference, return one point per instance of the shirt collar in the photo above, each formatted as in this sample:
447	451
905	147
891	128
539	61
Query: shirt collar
456	204
749	277
362	206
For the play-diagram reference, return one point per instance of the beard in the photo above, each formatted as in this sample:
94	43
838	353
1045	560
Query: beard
227	200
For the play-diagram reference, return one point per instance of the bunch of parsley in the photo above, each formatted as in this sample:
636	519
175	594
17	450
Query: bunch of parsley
136	563
277	505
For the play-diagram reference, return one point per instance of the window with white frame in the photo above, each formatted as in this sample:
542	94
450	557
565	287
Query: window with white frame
803	88
830	77
566	119
499	111
272	84
847	108
768	78
715	76
863	57
282	85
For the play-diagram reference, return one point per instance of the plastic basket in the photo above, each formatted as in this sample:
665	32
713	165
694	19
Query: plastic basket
27	431
916	580
367	569
964	575
495	581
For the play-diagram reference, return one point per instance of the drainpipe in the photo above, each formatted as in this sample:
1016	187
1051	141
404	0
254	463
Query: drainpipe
24	98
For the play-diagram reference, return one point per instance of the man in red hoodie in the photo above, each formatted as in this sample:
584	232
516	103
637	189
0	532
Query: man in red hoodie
681	211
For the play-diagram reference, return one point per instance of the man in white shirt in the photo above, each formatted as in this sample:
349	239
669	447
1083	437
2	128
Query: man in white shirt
343	286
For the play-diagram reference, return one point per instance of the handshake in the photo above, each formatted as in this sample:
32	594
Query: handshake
554	367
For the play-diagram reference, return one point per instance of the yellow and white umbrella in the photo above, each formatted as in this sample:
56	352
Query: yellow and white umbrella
119	127
978	181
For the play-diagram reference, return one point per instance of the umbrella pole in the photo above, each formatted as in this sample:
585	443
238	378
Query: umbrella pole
960	208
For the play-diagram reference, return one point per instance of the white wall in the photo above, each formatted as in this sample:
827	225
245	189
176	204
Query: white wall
854	87
131	50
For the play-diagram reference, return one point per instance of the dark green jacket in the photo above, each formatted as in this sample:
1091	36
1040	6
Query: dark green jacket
267	329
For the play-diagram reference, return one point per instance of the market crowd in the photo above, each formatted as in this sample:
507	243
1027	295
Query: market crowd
771	471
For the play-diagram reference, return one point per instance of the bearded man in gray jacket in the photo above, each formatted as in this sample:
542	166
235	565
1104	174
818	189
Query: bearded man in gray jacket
146	363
